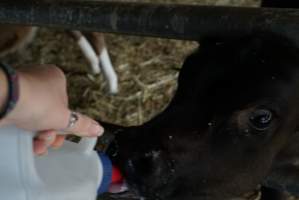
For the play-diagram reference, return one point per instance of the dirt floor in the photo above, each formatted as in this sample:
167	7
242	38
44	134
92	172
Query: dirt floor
147	70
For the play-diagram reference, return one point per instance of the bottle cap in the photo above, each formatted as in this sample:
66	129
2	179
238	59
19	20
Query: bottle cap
107	173
112	180
116	175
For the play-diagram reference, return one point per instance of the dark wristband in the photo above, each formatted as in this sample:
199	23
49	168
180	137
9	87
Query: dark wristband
13	89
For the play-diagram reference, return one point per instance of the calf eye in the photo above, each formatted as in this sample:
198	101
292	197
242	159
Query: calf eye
260	119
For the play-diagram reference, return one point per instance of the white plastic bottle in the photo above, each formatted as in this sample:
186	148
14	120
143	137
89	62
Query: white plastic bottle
73	172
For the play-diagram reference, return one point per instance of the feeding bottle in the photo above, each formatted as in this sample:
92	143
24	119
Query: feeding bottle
73	172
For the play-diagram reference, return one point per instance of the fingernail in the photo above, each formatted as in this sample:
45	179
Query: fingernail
95	130
49	140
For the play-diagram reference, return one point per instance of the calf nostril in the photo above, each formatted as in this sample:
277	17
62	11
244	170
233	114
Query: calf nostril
130	168
131	165
131	174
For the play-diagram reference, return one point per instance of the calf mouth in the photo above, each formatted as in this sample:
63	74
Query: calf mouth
108	145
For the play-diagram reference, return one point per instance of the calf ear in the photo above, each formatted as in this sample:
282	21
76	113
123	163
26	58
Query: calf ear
284	174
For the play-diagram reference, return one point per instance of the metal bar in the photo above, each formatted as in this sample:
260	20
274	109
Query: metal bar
157	20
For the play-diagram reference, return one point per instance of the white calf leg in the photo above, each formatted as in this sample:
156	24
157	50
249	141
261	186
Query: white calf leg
109	72
89	54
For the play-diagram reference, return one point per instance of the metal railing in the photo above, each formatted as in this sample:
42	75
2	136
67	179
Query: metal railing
185	22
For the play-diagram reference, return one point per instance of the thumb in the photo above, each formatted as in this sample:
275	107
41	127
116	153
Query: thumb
83	126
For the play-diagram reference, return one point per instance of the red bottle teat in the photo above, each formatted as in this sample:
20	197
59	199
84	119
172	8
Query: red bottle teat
116	175
118	183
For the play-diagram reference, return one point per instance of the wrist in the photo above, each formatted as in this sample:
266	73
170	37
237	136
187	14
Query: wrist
12	116
23	90
10	96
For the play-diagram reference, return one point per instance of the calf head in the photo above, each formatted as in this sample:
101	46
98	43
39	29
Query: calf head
234	111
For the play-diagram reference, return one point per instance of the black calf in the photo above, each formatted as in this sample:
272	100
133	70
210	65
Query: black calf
231	126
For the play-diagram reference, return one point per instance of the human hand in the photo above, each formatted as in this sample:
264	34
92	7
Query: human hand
43	108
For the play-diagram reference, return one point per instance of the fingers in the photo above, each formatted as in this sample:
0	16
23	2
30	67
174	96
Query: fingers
47	136
58	141
46	139
39	147
85	127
